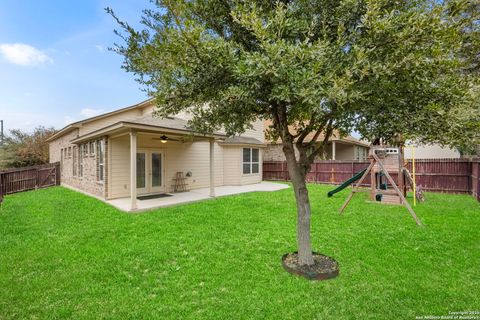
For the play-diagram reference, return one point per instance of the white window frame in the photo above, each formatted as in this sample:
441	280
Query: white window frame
84	148
251	162
92	146
80	160
74	161
61	159
100	145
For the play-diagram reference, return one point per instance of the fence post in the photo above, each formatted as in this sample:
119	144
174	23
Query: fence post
478	179
36	179
1	188
57	173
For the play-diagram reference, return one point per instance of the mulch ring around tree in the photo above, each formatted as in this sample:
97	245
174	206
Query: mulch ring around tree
323	268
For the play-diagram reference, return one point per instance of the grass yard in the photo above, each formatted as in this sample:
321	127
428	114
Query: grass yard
65	255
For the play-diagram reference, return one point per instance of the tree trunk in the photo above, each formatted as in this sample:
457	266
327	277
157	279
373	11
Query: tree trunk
297	176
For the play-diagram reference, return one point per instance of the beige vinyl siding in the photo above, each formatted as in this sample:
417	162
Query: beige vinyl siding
194	157
257	131
184	157
148	109
432	152
119	164
103	122
126	115
232	165
344	151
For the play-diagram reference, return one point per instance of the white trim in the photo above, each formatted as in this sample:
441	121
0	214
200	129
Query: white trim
251	162
212	167
133	170
149	189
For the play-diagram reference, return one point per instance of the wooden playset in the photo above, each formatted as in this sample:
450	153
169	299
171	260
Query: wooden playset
385	161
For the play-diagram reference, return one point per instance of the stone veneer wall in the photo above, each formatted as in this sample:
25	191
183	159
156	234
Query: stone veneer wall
274	152
88	182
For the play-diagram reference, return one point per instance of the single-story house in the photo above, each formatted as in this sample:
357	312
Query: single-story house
338	148
128	153
430	151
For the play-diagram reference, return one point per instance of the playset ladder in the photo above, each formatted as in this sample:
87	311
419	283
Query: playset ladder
403	201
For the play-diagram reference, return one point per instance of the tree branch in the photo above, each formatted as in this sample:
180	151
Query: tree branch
328	134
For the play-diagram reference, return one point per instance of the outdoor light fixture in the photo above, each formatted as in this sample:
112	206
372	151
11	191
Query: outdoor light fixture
163	139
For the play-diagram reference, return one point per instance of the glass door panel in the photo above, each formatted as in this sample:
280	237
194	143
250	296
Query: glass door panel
156	169
141	171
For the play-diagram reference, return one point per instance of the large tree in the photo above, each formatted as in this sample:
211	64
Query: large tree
21	149
379	67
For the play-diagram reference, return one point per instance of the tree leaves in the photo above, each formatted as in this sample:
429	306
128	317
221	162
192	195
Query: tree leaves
22	149
381	68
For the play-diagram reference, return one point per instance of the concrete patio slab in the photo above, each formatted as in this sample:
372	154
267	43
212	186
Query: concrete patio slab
194	195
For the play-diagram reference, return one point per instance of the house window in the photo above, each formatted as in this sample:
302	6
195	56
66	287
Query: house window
69	152
84	148
74	162
80	160
92	148
100	160
360	153
250	160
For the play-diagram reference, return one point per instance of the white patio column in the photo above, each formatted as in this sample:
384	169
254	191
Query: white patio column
333	150
133	170
212	165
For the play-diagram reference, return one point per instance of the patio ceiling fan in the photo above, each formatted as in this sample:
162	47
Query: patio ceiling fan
164	139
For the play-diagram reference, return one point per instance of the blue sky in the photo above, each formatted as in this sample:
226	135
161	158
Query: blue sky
54	64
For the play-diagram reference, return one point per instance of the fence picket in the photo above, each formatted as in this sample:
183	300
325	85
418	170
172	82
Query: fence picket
28	178
441	175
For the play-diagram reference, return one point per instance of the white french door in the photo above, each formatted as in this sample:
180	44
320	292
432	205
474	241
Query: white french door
150	171
156	172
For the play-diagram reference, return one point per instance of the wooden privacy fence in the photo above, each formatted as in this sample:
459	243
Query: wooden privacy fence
28	178
476	179
442	175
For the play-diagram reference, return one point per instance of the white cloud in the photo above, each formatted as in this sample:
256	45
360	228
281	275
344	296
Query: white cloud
23	54
100	48
69	120
88	112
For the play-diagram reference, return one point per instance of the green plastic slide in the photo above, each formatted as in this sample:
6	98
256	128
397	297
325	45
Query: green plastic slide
346	183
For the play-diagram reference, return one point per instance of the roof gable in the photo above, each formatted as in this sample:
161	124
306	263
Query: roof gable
78	124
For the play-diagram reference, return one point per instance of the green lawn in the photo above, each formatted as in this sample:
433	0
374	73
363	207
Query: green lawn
65	255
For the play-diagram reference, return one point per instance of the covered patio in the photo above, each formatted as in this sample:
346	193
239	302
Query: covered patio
173	199
137	155
148	157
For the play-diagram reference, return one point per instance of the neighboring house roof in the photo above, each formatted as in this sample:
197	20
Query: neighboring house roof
147	123
335	137
239	140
